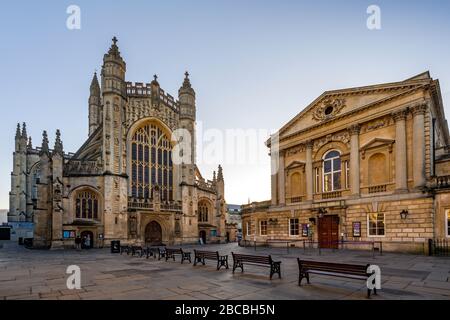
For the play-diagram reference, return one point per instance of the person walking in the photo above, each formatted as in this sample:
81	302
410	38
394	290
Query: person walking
88	242
78	242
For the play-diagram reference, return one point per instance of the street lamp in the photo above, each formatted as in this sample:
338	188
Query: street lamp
404	214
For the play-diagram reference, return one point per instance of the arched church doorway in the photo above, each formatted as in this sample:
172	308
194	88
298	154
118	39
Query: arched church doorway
153	233
87	240
203	236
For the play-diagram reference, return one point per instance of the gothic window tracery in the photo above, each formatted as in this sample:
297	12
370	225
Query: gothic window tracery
87	205
151	163
202	212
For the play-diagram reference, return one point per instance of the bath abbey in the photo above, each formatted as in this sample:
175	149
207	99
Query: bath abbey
124	183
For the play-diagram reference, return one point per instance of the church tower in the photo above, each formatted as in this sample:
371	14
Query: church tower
186	97
114	98
94	105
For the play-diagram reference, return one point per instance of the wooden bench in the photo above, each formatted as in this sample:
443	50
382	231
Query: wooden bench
161	253
185	256
349	271
201	256
125	249
149	252
265	261
137	250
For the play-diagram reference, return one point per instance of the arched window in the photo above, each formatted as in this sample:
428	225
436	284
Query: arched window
151	163
86	205
332	171
202	212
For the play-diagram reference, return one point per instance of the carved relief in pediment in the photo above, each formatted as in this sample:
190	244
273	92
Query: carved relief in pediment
328	109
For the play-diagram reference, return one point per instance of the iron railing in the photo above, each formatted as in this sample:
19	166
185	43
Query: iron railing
439	247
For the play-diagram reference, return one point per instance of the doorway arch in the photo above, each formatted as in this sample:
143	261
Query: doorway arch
153	233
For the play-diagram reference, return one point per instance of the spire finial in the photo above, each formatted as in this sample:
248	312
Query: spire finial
30	143
58	144
114	40
220	173
44	148
24	130
155	76
95	86
186	82
18	134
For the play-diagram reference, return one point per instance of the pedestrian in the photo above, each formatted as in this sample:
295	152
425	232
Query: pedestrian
78	242
88	242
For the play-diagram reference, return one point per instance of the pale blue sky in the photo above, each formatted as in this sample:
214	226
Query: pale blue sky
254	64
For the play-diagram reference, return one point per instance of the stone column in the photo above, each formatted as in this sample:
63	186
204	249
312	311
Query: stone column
401	178
354	159
274	178
418	112
309	171
281	180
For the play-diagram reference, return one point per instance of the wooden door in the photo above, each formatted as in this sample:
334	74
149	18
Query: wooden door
153	233
329	232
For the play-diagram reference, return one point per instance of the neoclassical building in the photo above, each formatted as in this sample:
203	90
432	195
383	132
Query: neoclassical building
360	164
125	182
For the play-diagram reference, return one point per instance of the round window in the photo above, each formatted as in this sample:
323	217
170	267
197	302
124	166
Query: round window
328	110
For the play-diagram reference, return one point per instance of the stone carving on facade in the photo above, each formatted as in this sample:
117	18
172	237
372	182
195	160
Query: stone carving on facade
328	109
419	108
399	115
297	149
83	167
132	225
377	124
343	137
142	108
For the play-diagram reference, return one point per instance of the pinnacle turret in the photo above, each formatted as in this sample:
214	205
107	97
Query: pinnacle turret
114	49
24	131
220	173
186	87
18	133
59	149
95	86
44	147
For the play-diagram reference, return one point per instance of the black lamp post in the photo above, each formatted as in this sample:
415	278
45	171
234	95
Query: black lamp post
404	214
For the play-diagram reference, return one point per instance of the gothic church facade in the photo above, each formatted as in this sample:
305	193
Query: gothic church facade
123	183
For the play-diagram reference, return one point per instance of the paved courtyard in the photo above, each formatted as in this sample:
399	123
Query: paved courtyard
37	274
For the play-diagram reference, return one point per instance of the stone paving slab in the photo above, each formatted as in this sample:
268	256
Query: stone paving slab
38	274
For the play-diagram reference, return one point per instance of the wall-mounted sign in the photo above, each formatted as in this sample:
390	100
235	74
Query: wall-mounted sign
305	230
356	229
68	234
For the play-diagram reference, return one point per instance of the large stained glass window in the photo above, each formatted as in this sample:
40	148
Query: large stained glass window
151	163
86	203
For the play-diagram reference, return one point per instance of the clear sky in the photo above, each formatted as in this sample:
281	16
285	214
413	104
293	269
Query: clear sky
254	64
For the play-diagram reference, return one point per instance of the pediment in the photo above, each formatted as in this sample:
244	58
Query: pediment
295	164
333	104
377	142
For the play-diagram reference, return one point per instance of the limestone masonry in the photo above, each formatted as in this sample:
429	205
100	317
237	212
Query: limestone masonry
122	184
